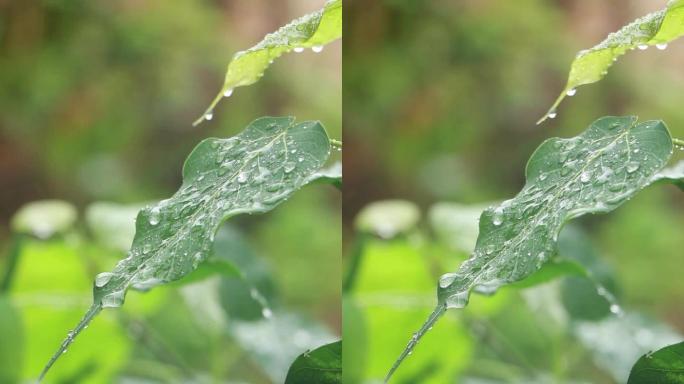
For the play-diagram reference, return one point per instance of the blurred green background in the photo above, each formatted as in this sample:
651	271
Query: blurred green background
96	104
440	104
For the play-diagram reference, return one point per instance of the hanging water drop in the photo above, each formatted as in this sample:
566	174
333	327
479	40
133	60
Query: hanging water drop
154	216
661	46
298	49
552	114
571	92
228	92
209	115
642	47
267	313
615	309
317	48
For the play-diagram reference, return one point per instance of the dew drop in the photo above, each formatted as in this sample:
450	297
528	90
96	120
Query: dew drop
458	300
552	114
228	92
642	47
266	313
242	177
615	309
585	177
317	48
298	49
542	176
102	279
209	115
632	167
154	216
571	92
497	219
661	46
447	279
289	166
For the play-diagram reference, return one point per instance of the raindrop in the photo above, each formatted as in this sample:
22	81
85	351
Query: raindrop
458	300
102	279
267	313
209	115
585	177
289	166
242	177
571	92
615	309
154	216
552	114
642	47
497	219
542	176
299	49
661	46
447	279
228	92
317	48
632	167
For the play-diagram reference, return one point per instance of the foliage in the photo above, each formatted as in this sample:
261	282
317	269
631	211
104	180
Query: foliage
590	65
323	365
663	366
250	173
310	31
594	172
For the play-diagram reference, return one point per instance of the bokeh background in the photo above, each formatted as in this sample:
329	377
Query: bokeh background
440	104
96	104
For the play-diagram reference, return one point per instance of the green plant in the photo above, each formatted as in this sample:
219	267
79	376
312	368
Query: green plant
250	173
594	172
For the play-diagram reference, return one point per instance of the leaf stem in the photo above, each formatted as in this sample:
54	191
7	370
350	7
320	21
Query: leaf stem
678	142
434	316
83	324
336	143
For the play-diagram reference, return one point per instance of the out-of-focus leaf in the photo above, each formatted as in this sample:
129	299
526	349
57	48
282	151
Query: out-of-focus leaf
590	65
388	218
393	289
673	174
665	366
354	349
456	224
12	345
331	175
250	173
275	342
113	224
310	31
616	342
323	365
594	172
44	218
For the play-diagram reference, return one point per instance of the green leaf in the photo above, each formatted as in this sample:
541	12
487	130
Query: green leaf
323	365
310	31
456	224
590	65
673	174
12	346
44	218
388	218
112	224
250	173
594	172
665	366
330	175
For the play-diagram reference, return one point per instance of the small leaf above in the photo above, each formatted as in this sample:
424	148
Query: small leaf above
323	365
673	175
310	31
249	173
594	172
664	366
590	65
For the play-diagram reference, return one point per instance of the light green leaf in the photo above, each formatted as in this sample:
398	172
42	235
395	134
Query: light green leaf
594	172
673	174
250	173
330	175
663	366
112	224
456	224
310	31
388	218
44	218
323	365
590	65
12	346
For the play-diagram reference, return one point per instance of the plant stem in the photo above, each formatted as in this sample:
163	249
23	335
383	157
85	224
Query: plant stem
336	143
678	142
12	260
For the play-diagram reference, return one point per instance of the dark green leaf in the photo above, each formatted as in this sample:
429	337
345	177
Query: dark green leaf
250	173
323	365
590	65
310	31
665	366
12	345
594	172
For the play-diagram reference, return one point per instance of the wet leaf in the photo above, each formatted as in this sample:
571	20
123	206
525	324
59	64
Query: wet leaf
590	65
250	173
323	365
310	31
664	366
594	172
